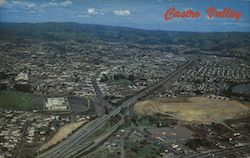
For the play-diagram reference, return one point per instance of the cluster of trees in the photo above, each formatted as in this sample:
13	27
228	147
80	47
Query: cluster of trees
197	142
23	87
118	76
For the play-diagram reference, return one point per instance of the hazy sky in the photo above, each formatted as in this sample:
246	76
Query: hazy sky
145	14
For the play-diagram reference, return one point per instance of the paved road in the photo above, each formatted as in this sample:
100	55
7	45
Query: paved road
97	141
221	152
105	107
80	136
101	101
75	139
122	148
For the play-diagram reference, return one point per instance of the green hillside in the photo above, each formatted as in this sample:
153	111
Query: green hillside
94	33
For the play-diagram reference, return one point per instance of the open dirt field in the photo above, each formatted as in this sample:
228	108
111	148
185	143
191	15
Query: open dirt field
195	109
62	133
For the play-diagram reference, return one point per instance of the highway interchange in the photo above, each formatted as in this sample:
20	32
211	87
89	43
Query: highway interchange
76	144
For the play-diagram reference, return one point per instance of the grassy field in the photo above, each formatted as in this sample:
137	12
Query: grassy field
17	100
195	109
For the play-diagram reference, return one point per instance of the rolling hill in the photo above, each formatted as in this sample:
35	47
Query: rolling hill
99	33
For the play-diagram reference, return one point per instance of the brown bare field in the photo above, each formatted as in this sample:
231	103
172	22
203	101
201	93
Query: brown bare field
194	109
62	133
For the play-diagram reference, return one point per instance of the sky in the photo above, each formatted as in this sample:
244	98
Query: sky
144	14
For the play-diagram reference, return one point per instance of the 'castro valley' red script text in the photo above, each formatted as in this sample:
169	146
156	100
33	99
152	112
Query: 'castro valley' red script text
211	13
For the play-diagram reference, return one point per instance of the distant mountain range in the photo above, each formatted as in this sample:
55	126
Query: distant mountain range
98	33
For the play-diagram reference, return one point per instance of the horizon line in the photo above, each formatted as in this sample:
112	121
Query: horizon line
129	27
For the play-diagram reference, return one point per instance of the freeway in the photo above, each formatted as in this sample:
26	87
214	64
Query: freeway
221	152
96	142
75	139
79	137
150	89
105	107
101	101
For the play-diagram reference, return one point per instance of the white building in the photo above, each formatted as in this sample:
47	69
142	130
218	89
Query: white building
57	104
22	77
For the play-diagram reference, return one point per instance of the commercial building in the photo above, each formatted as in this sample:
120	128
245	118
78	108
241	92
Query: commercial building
57	104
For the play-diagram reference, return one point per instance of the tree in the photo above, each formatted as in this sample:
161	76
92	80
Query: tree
104	78
131	78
